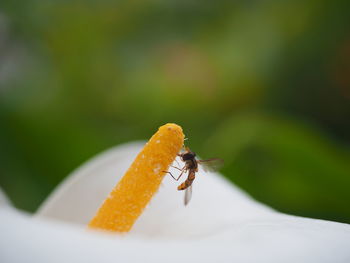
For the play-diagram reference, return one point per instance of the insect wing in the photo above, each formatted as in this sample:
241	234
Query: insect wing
212	164
188	195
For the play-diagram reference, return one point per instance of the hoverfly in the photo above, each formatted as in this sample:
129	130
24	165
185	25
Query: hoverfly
191	166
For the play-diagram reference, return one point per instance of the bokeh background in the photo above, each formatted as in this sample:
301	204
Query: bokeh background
265	85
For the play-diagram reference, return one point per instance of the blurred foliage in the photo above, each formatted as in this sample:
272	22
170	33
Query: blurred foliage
263	84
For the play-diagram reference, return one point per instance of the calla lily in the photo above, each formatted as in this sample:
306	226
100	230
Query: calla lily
221	224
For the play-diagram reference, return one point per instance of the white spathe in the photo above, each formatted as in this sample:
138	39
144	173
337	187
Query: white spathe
221	224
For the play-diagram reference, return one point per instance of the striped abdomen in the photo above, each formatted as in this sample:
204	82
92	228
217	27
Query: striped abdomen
188	182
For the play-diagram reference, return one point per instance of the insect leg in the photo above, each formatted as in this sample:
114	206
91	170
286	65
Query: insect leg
176	179
177	162
184	170
178	168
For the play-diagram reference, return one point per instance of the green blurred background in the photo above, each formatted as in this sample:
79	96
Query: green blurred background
265	85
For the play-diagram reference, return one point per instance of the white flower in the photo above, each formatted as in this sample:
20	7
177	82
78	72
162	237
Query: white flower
221	224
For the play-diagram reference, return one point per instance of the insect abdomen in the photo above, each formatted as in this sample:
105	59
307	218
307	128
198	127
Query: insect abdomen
188	182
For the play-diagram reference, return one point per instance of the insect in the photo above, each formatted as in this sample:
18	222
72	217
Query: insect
191	166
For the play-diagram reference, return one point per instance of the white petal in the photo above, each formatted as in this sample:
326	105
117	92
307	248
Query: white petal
221	224
78	197
283	239
216	203
4	201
